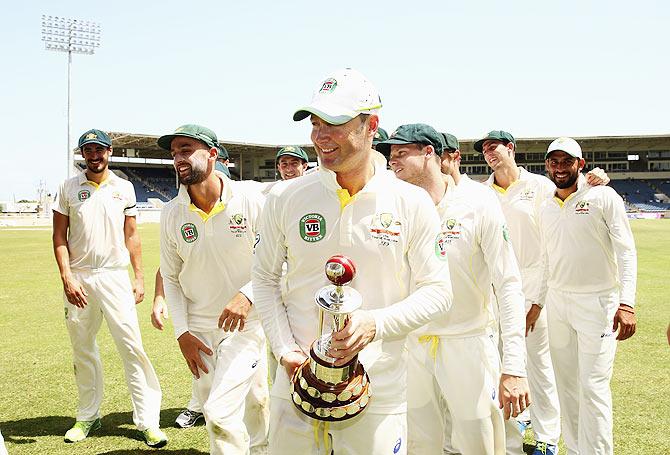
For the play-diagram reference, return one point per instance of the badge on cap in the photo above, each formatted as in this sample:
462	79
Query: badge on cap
91	136
328	85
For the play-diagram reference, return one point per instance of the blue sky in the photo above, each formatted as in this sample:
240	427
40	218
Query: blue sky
535	68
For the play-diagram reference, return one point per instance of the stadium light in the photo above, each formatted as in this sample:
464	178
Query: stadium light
74	36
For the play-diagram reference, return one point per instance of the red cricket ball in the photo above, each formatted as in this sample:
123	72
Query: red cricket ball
340	270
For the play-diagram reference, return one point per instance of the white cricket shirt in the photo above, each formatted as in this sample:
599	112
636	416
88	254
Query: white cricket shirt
97	213
588	242
480	255
206	258
390	230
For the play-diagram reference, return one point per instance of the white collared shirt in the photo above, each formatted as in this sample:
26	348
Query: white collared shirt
206	258
589	243
97	216
390	231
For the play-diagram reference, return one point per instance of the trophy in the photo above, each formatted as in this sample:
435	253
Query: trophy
320	389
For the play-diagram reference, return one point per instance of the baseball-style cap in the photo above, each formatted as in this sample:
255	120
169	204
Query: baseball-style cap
567	145
414	133
380	136
292	150
222	152
495	135
222	168
451	142
194	131
95	137
340	97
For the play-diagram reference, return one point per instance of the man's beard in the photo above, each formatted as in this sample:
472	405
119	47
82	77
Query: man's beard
96	170
567	183
194	177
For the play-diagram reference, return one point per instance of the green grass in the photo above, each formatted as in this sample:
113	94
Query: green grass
38	395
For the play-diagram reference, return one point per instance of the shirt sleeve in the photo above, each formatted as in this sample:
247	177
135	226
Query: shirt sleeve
506	278
614	212
431	286
62	204
131	204
256	204
170	266
266	274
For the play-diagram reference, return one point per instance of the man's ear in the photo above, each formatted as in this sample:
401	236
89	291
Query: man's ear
582	163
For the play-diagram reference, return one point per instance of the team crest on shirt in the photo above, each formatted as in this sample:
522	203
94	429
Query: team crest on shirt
83	195
328	85
441	242
116	195
582	208
238	225
527	195
189	232
385	228
451	229
312	227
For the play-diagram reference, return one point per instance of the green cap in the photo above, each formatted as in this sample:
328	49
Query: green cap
292	150
414	133
495	135
223	153
95	137
380	136
222	168
451	142
194	131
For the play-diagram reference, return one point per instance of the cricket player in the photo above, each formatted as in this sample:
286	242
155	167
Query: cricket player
454	365
207	237
95	238
520	193
291	162
389	229
591	273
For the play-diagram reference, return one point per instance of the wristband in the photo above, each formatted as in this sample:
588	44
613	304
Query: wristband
627	309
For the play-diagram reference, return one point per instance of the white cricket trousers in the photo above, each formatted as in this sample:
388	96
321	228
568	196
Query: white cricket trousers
3	449
110	295
233	396
465	372
583	346
293	433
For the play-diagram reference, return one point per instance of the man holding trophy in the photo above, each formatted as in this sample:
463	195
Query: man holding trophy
343	384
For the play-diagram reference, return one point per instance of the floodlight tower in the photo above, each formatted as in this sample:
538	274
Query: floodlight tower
73	36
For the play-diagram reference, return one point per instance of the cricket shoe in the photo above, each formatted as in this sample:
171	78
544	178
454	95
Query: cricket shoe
81	429
188	418
154	437
542	448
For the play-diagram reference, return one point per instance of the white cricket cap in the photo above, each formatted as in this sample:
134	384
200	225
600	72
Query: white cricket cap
340	97
565	144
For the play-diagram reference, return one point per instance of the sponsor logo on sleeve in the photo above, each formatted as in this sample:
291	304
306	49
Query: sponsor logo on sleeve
189	232
312	227
83	195
505	232
397	446
441	242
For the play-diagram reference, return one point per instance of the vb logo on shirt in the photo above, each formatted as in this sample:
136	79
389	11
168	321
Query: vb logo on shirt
83	195
312	227
189	232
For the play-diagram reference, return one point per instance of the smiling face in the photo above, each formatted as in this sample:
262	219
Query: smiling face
498	154
96	157
193	159
410	162
563	169
344	148
290	167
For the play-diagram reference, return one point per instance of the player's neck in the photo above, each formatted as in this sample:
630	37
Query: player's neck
564	193
207	193
505	175
354	180
435	184
97	178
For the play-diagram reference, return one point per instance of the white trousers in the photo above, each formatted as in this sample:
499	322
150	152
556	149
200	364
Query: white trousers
293	433
3	449
110	296
544	411
582	349
235	386
465	372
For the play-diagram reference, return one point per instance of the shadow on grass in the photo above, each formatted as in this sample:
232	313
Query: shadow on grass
24	431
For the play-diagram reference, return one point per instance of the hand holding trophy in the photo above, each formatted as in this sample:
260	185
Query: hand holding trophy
320	389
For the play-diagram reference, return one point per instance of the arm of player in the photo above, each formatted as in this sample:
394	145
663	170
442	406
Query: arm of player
266	274
159	311
614	212
74	291
134	245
